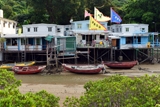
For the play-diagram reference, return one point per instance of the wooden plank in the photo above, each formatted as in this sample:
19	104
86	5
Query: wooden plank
81	52
65	58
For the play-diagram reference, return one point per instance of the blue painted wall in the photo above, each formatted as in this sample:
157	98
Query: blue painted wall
5	45
144	40
19	43
122	40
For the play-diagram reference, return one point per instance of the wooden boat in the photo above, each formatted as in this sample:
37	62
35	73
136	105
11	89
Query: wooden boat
27	69
120	65
10	65
83	69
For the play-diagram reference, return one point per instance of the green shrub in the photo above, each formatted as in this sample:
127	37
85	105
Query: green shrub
10	96
119	91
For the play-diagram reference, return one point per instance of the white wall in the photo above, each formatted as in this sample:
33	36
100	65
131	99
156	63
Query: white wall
1	13
62	29
41	29
9	30
133	28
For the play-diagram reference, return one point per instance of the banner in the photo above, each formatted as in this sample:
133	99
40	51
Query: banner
99	16
115	17
95	25
86	14
19	31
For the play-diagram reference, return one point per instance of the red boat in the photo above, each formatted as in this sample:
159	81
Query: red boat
83	69
27	69
120	65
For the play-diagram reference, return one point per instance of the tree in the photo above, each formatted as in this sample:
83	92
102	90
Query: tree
10	96
2	40
57	11
119	91
143	11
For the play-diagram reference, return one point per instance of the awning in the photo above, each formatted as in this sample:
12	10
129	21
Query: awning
49	38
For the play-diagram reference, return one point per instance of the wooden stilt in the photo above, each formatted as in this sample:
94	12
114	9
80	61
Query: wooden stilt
88	55
94	56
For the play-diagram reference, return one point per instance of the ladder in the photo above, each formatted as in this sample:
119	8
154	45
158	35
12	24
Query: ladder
23	56
113	54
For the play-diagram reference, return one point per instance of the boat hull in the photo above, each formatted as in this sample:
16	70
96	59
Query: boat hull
10	65
83	69
27	69
121	65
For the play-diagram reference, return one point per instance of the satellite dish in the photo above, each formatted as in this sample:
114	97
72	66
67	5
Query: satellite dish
71	20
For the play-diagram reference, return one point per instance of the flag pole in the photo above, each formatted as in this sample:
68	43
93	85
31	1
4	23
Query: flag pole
110	15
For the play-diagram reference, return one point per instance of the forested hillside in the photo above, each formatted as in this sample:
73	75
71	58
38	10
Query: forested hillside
61	11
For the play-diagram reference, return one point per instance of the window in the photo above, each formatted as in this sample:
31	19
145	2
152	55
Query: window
8	41
139	40
79	26
83	37
58	30
109	28
37	41
28	29
117	29
120	29
49	29
101	37
14	41
35	29
16	31
4	24
14	25
129	40
8	25
87	25
24	41
142	29
67	28
127	29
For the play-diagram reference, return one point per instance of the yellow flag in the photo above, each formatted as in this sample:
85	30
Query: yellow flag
94	25
99	16
19	31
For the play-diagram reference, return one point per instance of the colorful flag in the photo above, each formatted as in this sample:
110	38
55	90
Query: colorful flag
19	31
86	14
95	25
115	17
99	16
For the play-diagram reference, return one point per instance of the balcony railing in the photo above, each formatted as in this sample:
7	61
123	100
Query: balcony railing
25	48
99	43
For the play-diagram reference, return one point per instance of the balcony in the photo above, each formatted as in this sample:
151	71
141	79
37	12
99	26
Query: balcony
97	44
25	48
